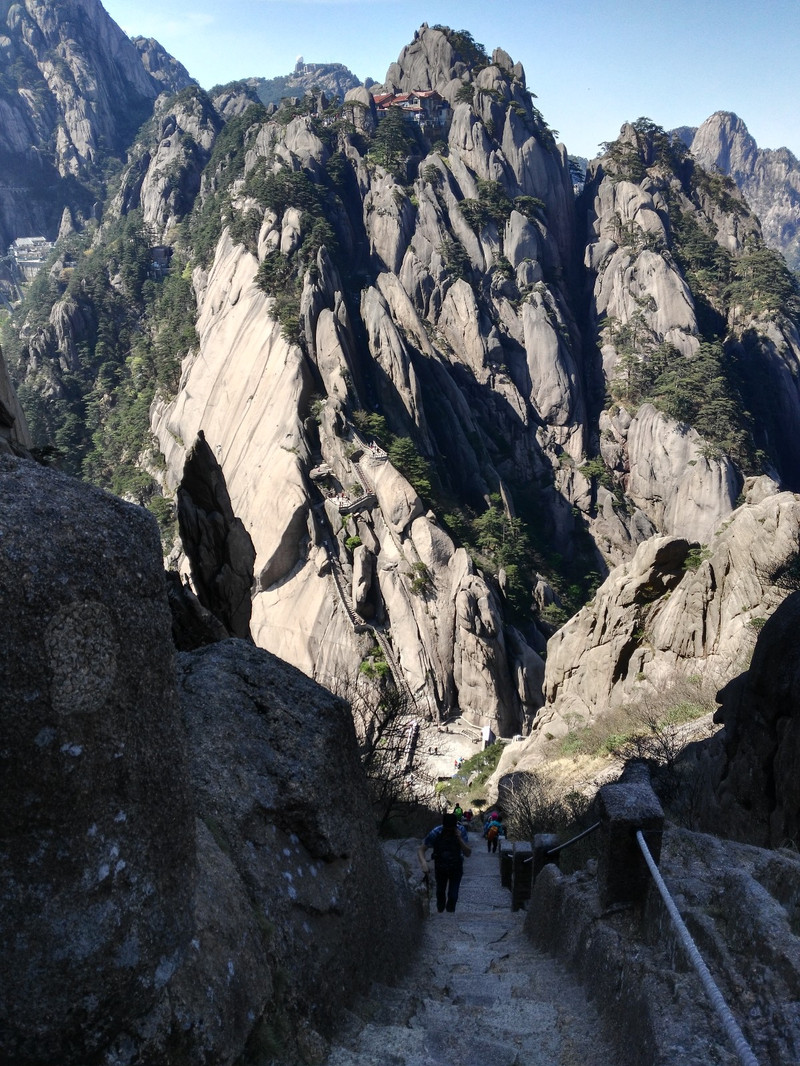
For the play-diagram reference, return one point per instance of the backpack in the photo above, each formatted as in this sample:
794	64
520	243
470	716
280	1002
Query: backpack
447	851
493	833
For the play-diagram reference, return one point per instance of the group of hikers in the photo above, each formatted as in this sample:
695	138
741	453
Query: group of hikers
450	843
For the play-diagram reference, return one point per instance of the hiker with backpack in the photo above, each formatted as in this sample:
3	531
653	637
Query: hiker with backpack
493	830
492	837
449	844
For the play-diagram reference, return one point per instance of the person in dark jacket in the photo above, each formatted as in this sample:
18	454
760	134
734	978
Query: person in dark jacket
449	844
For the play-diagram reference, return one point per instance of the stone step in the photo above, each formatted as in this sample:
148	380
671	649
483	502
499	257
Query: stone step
479	994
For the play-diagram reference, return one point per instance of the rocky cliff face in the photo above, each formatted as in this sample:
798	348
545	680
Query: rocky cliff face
768	178
184	872
14	433
74	88
163	172
417	328
170	74
424	406
669	614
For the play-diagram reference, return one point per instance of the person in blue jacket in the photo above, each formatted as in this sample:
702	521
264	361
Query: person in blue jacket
449	844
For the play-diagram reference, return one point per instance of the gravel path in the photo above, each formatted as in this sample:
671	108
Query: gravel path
479	994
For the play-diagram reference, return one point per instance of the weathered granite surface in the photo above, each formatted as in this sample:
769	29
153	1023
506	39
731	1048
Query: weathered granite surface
188	858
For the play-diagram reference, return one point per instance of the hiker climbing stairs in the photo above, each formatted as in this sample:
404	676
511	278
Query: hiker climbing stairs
478	994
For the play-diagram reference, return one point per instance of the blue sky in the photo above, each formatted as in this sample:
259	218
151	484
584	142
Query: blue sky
593	65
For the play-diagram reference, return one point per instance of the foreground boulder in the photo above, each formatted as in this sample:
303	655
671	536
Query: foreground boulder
96	828
280	806
758	789
189	870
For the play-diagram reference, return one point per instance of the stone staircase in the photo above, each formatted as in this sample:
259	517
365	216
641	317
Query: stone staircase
479	994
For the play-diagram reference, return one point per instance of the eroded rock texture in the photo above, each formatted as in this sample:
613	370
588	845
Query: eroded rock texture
97	824
188	858
276	784
540	360
758	788
676	610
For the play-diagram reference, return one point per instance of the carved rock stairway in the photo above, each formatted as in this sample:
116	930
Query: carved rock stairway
478	993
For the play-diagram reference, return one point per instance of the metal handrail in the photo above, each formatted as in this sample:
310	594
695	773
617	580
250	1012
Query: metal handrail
732	1030
575	839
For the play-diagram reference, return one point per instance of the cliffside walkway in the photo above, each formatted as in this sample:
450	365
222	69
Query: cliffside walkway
479	992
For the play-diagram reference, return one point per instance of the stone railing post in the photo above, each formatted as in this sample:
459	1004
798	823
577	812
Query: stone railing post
522	875
506	850
542	843
622	874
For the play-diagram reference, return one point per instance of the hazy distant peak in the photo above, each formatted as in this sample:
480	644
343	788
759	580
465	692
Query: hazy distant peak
768	178
334	79
161	66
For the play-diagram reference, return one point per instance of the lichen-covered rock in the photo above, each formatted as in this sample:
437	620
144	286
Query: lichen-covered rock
178	875
97	827
278	785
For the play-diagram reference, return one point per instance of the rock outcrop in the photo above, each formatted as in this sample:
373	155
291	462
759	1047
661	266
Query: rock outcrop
278	788
81	89
171	74
164	171
188	862
769	178
97	823
757	797
668	613
219	548
14	434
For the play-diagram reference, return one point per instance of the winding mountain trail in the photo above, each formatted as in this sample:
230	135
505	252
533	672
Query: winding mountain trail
479	992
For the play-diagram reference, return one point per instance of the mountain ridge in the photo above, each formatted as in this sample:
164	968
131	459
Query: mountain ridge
471	452
427	290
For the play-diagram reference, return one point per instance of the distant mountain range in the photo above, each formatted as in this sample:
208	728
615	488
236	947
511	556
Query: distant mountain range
334	79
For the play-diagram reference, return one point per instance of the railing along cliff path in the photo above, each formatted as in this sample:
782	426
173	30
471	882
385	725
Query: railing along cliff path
631	825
